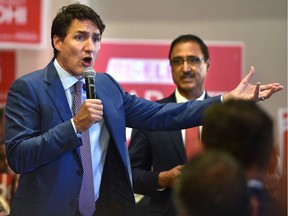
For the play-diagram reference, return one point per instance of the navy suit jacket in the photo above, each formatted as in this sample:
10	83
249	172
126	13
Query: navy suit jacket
161	150
42	146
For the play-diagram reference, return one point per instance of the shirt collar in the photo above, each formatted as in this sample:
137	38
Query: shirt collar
66	78
180	98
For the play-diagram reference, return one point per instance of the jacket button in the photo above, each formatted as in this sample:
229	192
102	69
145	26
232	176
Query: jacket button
73	203
79	173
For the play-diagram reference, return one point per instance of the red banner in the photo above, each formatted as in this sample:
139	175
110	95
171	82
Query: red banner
20	23
7	73
142	68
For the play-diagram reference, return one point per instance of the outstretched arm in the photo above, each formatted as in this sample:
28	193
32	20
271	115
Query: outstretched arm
247	91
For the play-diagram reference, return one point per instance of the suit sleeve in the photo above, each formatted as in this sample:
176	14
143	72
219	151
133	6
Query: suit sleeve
145	181
34	132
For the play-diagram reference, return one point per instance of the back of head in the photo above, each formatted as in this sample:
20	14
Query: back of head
241	128
212	184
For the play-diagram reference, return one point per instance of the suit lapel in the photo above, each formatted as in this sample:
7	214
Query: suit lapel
57	95
177	140
113	120
56	92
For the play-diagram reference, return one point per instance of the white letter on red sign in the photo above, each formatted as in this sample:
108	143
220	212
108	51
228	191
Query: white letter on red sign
7	15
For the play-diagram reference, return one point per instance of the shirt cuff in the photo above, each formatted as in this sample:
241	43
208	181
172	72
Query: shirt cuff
161	189
78	134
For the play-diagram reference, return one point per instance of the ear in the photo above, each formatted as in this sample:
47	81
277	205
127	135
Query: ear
57	42
208	64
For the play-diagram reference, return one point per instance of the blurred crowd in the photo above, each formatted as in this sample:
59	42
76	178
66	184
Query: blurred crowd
8	179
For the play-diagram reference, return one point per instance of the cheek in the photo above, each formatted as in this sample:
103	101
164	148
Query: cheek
203	72
73	50
175	76
97	50
202	77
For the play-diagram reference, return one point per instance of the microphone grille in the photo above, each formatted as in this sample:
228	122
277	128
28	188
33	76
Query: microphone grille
89	72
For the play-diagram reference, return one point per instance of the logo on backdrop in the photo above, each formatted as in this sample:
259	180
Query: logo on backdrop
20	23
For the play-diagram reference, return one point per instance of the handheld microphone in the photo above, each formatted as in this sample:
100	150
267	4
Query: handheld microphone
89	74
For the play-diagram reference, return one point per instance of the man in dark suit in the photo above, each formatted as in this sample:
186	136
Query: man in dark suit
157	157
44	135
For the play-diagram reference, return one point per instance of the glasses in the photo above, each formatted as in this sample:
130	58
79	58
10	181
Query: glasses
191	60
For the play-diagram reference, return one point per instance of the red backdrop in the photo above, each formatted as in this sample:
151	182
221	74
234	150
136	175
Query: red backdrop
142	68
20	23
7	73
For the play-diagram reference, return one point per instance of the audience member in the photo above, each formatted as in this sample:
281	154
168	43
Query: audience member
8	179
245	130
212	184
45	134
157	157
4	207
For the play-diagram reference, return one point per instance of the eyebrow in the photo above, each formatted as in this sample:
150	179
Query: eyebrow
87	33
187	56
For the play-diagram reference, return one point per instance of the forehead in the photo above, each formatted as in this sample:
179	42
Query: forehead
189	48
83	26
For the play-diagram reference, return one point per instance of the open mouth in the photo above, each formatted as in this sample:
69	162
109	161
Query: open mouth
87	60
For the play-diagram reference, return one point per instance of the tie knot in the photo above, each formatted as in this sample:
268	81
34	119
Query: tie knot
78	86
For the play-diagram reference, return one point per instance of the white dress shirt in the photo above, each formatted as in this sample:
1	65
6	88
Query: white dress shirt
99	135
181	99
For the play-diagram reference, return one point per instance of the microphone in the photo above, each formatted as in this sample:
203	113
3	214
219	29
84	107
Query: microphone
89	74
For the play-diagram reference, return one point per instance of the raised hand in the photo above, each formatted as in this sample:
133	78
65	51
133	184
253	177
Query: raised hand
247	91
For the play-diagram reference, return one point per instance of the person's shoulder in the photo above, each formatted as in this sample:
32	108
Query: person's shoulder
33	78
170	98
104	75
37	73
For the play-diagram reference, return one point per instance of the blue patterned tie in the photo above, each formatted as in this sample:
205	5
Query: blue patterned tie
86	197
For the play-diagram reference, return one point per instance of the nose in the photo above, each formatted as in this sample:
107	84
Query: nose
90	45
186	66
